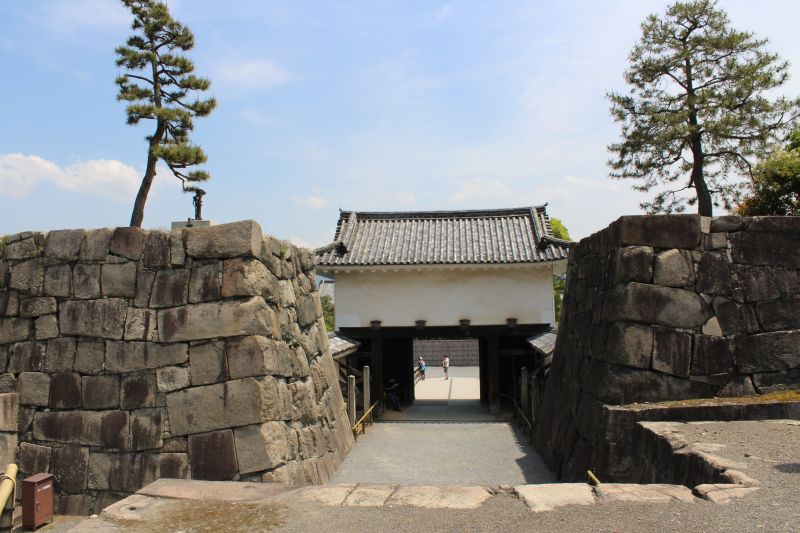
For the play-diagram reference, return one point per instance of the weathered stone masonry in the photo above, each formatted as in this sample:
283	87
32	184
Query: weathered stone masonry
129	355
667	308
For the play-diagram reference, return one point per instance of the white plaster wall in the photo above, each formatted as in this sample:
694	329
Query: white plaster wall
443	296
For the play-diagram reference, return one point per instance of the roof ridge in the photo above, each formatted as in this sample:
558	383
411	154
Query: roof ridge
458	213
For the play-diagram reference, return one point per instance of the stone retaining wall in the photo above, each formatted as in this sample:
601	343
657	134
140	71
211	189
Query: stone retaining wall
129	355
666	308
462	352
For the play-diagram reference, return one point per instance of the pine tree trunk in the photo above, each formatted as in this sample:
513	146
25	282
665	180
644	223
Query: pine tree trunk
137	216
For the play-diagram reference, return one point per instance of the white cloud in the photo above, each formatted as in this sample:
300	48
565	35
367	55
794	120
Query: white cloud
478	189
74	15
255	116
253	74
605	184
21	173
404	198
302	243
315	200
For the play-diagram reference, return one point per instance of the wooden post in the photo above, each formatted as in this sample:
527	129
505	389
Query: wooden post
494	375
351	399
534	397
523	393
365	385
377	360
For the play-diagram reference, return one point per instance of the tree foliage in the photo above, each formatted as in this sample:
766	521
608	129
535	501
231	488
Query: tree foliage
157	85
560	231
775	186
696	110
327	312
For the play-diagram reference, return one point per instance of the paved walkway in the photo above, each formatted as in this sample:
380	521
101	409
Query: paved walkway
447	437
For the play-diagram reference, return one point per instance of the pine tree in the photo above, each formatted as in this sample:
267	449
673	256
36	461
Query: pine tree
157	83
696	111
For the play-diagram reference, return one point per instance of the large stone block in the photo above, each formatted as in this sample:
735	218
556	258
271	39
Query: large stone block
138	390
633	263
207	363
652	304
93	318
128	242
159	355
659	231
70	468
89	356
86	281
27	357
46	327
140	324
23	248
230	318
34	459
177	254
8	448
788	224
629	344
246	277
124	472
205	284
213	456
755	248
96	244
156	250
779	314
672	352
172	378
261	447
34	388
119	280
88	428
623	385
768	352
144	286
9	406
238	239
64	244
27	277
15	330
735	318
65	390
8	383
74	504
713	274
304	401
60	354
58	281
308	309
147	430
253	356
33	307
235	403
170	289
174	465
122	357
712	355
100	392
673	268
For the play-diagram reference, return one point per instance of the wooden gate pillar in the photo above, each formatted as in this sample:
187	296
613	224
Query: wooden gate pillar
494	375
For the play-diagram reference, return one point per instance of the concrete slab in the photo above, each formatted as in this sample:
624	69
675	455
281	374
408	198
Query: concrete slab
722	493
549	496
369	495
439	497
333	494
630	492
190	489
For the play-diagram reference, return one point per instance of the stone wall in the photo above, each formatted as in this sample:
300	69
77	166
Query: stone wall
462	352
129	355
667	308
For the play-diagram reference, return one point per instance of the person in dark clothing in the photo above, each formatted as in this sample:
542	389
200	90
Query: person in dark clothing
392	397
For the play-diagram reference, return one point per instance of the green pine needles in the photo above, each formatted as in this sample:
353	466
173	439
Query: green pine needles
157	86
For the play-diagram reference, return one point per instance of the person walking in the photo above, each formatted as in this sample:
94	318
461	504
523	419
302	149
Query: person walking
421	366
446	366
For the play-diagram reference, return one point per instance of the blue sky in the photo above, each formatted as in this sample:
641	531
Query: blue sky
365	105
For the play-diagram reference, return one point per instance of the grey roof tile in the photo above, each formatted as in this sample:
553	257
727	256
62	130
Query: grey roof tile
497	236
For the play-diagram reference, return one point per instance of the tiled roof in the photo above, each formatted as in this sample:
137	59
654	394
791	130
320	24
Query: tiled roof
544	342
497	236
341	345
